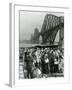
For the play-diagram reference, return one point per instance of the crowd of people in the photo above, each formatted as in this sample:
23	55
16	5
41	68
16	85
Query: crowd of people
43	61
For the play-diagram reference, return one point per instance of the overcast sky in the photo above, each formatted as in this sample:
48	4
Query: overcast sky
31	20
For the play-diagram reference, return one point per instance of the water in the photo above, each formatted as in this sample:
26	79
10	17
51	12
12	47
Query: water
27	45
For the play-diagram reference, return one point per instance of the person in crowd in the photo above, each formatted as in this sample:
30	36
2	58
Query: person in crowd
46	64
56	65
51	62
29	62
42	63
38	59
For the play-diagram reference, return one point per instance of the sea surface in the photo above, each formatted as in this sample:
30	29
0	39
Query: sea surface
27	45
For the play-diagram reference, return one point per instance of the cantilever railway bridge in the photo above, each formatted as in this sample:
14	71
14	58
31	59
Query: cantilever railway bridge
51	25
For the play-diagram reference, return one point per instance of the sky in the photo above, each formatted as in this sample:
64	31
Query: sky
31	20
